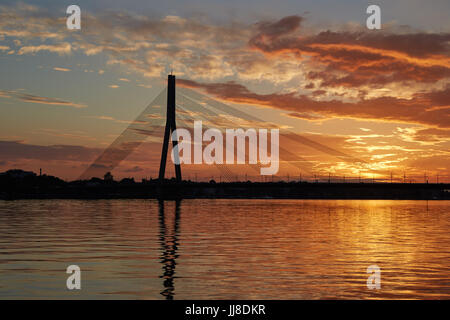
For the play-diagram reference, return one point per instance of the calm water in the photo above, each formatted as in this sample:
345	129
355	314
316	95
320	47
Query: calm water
225	249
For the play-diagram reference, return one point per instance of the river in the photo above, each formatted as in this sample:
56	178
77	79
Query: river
225	249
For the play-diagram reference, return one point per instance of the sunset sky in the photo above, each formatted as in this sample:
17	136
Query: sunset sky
311	68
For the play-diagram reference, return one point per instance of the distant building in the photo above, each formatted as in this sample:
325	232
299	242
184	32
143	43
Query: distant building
108	177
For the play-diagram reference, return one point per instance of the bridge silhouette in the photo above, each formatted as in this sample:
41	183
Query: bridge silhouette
184	106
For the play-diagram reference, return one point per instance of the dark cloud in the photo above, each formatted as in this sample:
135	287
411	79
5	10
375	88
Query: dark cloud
274	30
305	116
134	169
13	150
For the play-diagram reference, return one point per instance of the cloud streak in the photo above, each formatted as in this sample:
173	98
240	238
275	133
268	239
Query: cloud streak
30	98
61	69
61	49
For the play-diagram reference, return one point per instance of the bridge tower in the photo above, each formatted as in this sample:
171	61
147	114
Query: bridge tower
170	128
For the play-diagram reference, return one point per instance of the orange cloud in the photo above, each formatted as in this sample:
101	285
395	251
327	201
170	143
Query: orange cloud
354	59
384	108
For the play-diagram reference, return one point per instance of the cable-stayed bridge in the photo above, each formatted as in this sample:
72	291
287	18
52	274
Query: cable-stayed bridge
183	106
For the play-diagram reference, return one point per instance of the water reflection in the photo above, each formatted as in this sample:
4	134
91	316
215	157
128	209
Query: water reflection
168	237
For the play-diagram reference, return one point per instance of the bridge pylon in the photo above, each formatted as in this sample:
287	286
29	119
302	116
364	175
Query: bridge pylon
170	128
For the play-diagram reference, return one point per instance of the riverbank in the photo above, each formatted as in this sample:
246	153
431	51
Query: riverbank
234	190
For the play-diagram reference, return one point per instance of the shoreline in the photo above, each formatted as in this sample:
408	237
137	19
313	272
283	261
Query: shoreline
169	190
